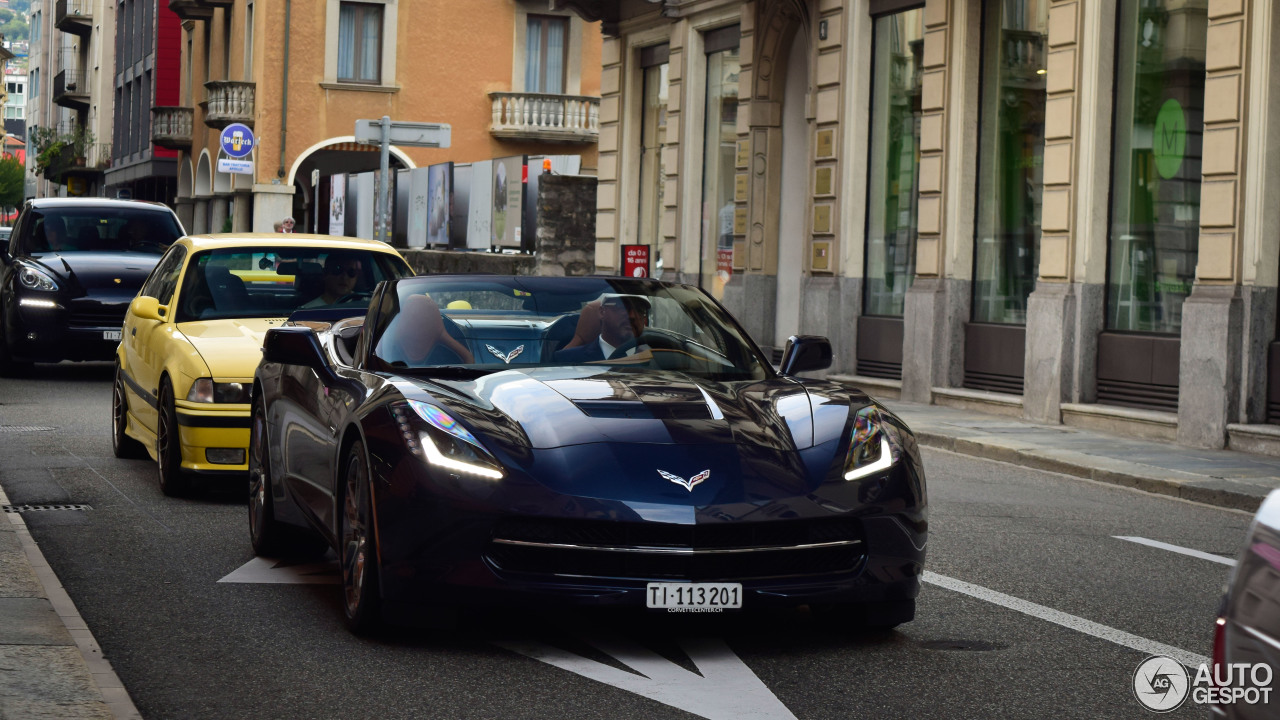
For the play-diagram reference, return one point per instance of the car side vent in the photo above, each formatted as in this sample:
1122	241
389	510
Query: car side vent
644	411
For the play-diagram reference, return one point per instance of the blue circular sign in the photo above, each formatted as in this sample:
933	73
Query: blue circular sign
237	140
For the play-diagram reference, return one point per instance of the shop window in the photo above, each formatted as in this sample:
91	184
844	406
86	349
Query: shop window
718	158
653	134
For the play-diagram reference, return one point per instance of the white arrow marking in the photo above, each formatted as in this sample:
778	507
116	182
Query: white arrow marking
1178	549
272	571
726	689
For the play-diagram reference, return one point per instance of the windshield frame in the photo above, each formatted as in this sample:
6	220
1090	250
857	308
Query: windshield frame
157	226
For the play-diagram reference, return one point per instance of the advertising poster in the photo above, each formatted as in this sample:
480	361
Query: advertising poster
635	260
439	203
480	215
508	201
459	210
337	204
417	198
366	186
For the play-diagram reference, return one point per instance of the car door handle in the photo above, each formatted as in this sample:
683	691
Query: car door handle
133	331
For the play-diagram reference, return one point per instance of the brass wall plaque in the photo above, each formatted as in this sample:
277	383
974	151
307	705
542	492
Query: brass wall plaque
740	187
821	219
820	255
822	181
743	154
739	221
826	143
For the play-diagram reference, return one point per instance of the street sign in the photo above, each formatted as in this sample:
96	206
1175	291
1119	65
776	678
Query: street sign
406	134
236	167
237	140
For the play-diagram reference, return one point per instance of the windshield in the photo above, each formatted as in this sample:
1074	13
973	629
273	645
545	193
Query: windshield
142	229
486	324
248	282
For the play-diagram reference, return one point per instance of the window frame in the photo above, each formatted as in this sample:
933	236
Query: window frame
361	9
544	25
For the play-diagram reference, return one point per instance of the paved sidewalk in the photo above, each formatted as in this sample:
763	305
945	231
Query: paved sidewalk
1225	478
51	668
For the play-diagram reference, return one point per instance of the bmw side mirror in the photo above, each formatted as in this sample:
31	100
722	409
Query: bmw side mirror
145	308
293	346
805	353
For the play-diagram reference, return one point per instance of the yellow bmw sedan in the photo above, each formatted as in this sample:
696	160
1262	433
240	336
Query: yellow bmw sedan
193	337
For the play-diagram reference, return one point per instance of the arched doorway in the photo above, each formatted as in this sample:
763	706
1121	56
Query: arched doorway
335	156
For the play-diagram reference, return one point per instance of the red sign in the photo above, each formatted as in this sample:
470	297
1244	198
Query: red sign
635	260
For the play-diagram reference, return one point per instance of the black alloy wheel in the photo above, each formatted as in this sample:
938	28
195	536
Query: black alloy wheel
174	482
270	537
358	552
121	444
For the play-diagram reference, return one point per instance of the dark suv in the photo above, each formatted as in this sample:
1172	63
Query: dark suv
68	273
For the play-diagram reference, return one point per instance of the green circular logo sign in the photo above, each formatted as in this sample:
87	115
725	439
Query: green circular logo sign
1169	141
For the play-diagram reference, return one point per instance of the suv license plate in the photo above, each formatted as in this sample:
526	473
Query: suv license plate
110	334
679	596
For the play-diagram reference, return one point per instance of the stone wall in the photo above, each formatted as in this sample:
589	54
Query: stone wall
566	239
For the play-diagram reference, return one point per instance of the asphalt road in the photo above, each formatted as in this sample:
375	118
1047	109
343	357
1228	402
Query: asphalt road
144	571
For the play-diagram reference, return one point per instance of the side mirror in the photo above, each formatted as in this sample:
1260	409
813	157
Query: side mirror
293	346
804	353
145	308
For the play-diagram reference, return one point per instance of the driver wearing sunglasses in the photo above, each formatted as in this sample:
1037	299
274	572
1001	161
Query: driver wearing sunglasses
341	271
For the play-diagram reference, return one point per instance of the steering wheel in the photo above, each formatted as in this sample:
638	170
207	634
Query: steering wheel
147	245
651	339
352	296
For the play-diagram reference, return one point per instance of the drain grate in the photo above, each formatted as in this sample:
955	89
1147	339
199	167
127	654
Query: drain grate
39	508
24	428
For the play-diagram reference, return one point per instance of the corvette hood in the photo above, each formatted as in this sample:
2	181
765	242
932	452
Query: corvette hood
231	348
97	274
546	408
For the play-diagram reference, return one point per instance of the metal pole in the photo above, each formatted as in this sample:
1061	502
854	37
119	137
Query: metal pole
380	229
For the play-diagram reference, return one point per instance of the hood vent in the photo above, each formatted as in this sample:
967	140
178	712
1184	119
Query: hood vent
633	410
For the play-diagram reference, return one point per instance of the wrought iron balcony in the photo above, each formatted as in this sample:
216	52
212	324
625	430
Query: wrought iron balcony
74	16
70	89
545	118
171	127
228	101
197	9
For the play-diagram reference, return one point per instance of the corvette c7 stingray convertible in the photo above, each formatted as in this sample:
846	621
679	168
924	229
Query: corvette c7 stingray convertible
577	441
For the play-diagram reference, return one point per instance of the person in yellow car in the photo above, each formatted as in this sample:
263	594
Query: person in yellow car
341	272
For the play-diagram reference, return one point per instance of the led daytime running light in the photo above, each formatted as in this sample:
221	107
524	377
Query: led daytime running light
884	462
436	458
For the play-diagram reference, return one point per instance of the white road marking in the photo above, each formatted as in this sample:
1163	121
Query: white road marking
1178	549
726	689
272	571
1088	627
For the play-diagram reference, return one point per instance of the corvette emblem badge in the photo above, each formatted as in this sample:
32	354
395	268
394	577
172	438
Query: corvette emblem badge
508	357
686	484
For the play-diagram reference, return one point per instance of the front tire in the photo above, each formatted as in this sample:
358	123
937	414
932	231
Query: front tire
122	445
270	537
174	481
358	550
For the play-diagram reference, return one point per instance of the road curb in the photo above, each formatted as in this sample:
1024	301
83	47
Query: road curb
1221	492
98	675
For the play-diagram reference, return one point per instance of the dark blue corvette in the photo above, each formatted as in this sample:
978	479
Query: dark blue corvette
578	441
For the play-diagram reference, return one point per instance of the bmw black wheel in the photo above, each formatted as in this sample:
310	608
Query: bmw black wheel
121	444
174	481
270	537
358	554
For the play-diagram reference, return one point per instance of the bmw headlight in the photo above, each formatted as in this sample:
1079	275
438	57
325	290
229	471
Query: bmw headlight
36	279
442	441
205	390
870	450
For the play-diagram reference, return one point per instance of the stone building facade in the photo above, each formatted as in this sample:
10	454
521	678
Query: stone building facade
1055	209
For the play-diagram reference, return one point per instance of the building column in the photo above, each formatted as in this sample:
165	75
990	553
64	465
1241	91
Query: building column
218	213
200	220
271	204
185	208
1219	349
1065	312
938	303
242	211
612	76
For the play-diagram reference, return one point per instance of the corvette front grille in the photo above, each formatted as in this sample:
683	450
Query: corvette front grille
725	551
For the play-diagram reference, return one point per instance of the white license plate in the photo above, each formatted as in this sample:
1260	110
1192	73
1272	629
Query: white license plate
110	334
681	596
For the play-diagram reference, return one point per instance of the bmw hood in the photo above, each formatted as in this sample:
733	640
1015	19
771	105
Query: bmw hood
231	348
547	408
97	274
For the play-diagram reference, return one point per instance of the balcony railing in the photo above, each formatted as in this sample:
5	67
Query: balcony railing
191	9
228	101
546	118
74	16
69	89
1024	58
171	127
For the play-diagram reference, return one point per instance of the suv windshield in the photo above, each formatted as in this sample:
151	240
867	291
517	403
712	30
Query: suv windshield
247	282
486	323
143	229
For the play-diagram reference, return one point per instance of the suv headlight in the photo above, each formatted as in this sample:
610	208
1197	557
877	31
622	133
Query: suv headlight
205	390
870	449
443	442
36	279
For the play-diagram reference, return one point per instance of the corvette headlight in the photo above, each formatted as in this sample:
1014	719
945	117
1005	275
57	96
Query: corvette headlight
870	450
36	279
442	441
205	390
